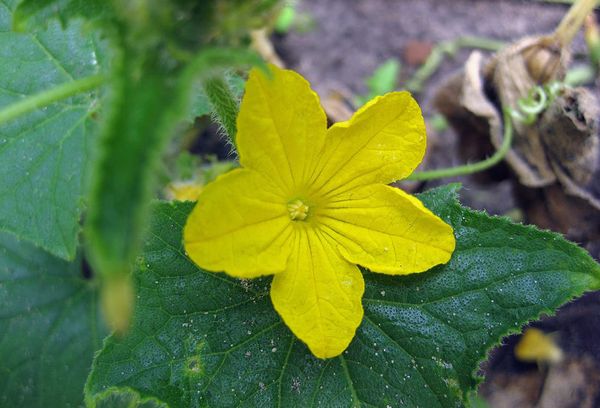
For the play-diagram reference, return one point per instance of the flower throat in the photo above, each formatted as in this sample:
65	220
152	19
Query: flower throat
298	210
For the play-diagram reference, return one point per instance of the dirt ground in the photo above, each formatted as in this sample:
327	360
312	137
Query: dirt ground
346	41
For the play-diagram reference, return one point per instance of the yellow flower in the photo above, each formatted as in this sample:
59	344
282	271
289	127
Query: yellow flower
183	190
310	203
537	346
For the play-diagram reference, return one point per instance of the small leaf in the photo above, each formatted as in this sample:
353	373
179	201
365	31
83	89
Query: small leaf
44	155
383	80
225	106
385	77
285	19
49	328
202	338
200	104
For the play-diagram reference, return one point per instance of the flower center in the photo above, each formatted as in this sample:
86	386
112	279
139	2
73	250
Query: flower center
298	210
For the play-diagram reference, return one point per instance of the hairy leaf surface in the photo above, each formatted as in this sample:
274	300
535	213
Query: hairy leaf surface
203	339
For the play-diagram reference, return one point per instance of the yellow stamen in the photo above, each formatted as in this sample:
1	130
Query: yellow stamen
298	210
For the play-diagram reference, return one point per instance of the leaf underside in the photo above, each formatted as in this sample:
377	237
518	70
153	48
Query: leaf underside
204	339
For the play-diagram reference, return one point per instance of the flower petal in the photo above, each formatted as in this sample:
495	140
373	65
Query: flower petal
319	294
388	231
281	127
383	142
239	225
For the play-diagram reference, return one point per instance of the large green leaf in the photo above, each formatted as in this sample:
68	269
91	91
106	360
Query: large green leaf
44	155
49	328
205	339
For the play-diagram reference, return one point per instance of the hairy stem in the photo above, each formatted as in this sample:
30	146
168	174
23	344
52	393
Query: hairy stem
448	48
225	104
563	1
473	167
573	20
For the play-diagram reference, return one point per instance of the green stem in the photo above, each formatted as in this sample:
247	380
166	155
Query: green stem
450	48
573	20
487	44
563	1
473	167
45	98
225	105
581	75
